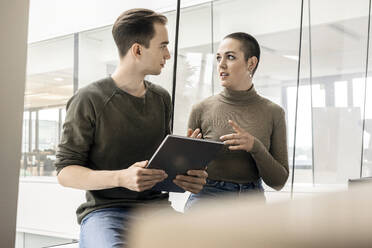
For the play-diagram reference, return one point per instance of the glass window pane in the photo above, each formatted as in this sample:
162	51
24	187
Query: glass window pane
49	73
341	93
367	152
195	62
48	140
318	95
337	64
197	46
278	37
97	55
49	85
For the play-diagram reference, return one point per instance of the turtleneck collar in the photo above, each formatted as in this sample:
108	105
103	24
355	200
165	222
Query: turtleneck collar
239	97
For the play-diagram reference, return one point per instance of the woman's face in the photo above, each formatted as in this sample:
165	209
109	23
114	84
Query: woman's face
233	69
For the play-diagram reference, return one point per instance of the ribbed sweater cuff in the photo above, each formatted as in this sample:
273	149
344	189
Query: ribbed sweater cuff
257	147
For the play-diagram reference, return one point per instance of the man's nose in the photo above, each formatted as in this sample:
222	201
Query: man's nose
167	54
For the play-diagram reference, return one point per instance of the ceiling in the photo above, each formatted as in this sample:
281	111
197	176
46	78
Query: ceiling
48	89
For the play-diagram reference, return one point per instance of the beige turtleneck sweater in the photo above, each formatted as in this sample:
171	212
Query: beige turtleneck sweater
263	119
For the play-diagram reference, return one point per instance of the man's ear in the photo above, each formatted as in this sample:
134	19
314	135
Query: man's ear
136	49
252	63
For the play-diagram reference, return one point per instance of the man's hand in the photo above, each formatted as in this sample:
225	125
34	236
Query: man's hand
241	140
194	134
193	181
138	178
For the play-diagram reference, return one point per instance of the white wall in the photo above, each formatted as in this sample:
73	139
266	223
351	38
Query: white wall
52	18
47	208
26	240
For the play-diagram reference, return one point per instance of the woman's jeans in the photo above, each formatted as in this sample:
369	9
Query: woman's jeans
216	189
105	228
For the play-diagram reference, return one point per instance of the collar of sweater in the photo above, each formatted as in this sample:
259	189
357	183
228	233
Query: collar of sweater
239	97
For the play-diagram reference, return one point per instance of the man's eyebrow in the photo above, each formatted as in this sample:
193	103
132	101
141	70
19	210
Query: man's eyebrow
164	43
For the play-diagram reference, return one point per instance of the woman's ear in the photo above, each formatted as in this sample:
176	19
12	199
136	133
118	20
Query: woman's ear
252	63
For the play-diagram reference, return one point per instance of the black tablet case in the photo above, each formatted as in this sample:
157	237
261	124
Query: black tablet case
178	154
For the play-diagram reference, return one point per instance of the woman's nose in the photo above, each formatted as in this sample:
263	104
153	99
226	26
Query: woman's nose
222	63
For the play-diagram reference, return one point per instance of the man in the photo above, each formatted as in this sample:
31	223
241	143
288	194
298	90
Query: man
113	126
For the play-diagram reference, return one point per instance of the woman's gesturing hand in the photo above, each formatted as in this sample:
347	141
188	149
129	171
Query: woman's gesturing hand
240	140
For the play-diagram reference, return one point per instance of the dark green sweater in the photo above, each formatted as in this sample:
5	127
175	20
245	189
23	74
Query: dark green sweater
260	117
108	129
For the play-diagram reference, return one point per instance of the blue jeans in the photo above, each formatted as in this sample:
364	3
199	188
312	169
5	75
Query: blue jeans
105	228
215	189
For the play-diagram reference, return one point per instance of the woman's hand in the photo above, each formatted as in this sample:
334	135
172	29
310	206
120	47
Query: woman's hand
194	180
194	134
241	140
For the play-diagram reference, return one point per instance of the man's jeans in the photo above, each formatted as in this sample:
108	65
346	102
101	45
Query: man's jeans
105	228
217	189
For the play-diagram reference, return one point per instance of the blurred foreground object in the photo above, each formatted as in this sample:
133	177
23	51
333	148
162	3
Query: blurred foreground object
341	219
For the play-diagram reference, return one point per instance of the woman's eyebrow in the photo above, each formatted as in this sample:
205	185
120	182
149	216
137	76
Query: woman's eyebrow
226	52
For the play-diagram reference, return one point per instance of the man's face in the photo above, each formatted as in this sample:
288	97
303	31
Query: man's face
155	56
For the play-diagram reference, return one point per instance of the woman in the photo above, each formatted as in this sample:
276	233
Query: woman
252	127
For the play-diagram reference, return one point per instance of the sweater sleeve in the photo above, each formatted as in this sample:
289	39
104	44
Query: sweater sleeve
77	133
272	164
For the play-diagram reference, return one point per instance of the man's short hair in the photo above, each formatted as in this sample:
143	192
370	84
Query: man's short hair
249	46
135	26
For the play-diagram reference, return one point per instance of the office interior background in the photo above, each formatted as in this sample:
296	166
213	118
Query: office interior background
315	64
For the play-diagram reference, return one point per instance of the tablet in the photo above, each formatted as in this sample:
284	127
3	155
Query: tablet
178	154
